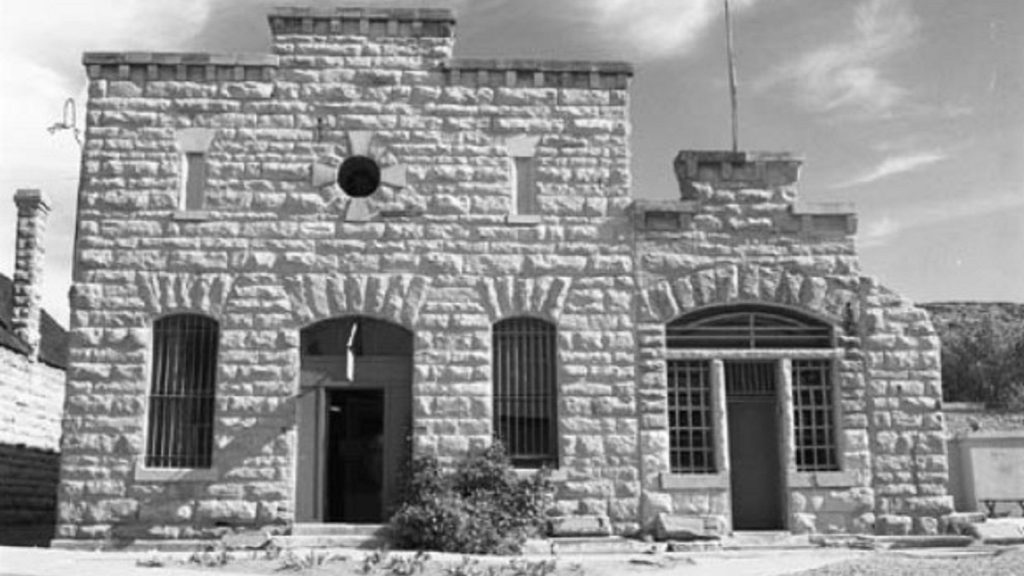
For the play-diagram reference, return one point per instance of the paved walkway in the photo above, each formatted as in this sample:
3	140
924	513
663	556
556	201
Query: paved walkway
46	562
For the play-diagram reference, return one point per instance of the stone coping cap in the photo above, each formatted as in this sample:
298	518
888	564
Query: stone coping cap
361	13
176	58
529	65
824	208
738	156
31	196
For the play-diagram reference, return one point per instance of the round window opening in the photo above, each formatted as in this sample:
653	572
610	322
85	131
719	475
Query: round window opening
359	176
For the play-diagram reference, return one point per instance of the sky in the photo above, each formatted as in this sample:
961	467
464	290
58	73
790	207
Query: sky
911	109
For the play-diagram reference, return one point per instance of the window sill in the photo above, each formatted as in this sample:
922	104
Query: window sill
523	219
191	215
143	474
669	481
554	474
837	479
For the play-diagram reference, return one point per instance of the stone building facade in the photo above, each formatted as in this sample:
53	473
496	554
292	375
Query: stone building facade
33	356
446	250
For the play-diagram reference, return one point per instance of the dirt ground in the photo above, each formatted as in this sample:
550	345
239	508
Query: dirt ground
804	562
44	562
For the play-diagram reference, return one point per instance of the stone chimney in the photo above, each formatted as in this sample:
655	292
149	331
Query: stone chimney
33	209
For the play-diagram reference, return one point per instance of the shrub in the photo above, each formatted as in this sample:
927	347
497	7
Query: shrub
984	362
482	506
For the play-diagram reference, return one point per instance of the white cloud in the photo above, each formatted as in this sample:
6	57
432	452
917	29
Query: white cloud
894	165
41	45
847	75
651	29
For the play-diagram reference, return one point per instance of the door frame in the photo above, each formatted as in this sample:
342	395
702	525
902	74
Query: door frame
775	402
391	375
783	359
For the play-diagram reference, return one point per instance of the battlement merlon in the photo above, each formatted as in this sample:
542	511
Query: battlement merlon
517	73
727	169
356	21
710	179
190	66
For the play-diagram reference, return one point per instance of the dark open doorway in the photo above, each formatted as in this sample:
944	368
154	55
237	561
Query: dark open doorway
355	455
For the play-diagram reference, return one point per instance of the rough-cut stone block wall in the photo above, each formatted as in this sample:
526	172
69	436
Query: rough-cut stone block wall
273	253
736	244
31	402
904	396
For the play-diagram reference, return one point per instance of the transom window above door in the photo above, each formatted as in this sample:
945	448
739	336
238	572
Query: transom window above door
747	326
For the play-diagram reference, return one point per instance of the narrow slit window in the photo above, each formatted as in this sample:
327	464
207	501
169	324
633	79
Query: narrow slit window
195	180
813	416
525	185
691	433
181	400
525	391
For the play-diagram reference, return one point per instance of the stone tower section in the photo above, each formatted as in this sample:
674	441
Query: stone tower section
739	241
356	171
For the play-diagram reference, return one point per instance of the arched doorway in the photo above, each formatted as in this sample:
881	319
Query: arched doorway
354	419
771	367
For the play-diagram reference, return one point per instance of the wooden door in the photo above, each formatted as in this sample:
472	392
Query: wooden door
755	470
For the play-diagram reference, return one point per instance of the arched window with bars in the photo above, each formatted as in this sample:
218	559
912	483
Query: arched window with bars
182	392
525	390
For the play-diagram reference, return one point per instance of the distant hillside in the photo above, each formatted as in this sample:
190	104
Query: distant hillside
982	359
951	317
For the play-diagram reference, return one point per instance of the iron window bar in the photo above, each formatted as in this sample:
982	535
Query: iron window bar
182	392
691	431
525	390
813	416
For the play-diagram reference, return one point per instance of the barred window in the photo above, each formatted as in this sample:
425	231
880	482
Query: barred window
181	401
691	434
525	370
813	416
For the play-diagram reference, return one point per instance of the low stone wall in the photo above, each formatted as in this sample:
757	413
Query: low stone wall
977	433
962	417
31	404
28	495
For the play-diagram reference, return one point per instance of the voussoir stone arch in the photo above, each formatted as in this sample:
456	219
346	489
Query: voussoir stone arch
508	296
825	296
393	297
170	292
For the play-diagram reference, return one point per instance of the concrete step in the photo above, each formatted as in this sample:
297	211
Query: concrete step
766	539
366	542
338	529
586	545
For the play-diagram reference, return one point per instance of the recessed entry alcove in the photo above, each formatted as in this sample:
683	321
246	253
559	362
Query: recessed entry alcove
354	418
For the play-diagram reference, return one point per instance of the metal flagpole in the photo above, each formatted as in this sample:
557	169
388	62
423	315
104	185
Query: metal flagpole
732	78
